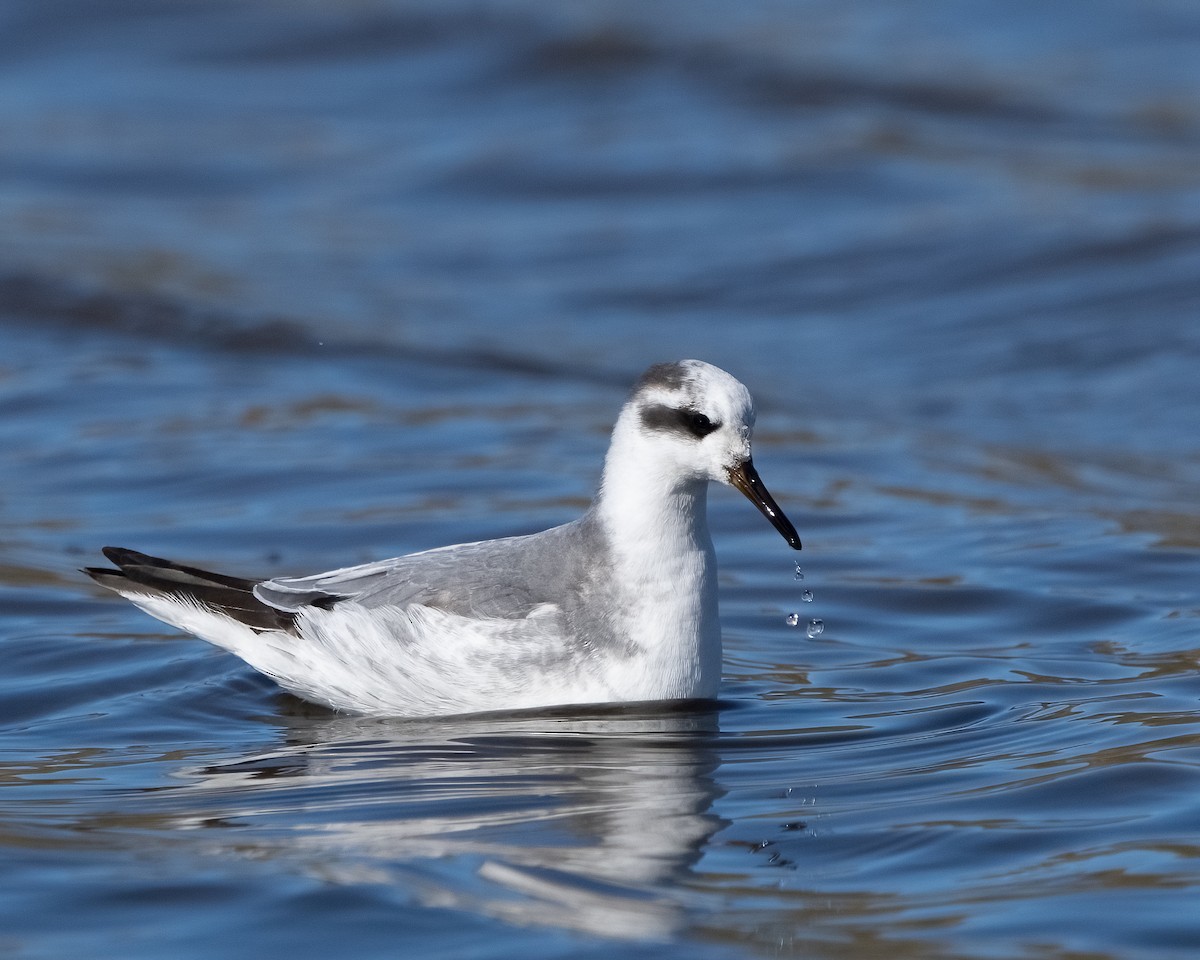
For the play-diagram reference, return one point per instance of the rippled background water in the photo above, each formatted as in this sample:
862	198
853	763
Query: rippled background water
292	285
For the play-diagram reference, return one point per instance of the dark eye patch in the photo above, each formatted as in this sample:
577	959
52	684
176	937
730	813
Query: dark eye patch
698	423
691	423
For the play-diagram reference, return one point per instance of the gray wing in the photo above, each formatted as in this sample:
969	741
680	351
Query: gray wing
494	578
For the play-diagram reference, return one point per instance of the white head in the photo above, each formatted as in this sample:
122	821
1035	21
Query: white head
688	422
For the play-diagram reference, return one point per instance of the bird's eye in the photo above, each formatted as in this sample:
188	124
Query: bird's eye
698	424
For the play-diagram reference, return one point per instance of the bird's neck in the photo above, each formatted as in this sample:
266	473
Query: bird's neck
649	512
656	529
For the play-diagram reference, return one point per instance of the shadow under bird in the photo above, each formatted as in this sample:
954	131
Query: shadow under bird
619	605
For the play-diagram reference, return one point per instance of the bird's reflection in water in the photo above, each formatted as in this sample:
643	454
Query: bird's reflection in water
584	820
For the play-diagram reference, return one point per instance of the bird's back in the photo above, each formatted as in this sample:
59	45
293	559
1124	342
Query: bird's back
504	578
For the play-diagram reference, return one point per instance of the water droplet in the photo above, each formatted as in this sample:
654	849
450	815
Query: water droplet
799	572
793	619
807	596
815	627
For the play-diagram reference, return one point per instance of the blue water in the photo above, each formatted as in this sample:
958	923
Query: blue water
285	287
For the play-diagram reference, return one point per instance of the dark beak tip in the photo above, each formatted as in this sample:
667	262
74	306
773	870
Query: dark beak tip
791	536
746	479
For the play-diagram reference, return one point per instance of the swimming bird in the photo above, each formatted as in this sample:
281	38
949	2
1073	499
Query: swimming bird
619	605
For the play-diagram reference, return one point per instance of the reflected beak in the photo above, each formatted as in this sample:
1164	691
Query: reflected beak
745	478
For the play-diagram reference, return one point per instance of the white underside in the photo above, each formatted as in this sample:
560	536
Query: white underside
422	661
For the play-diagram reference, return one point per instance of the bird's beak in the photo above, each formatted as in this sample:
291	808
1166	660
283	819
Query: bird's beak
746	479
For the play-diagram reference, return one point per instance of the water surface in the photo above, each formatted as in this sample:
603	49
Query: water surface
287	287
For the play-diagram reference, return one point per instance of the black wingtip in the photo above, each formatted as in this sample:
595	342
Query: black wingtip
123	556
141	573
109	578
94	572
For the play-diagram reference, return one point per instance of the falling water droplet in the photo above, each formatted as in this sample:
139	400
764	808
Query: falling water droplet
793	619
815	627
799	572
807	596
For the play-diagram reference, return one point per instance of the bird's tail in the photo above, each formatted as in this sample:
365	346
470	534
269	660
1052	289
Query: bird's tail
138	574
